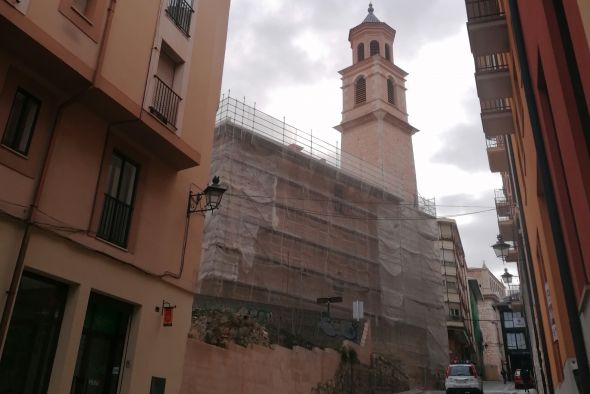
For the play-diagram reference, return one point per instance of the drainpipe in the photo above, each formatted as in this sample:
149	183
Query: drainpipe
583	375
20	260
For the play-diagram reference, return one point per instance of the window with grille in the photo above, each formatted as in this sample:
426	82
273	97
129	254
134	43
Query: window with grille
387	52
390	91
374	47
360	90
21	122
117	208
360	52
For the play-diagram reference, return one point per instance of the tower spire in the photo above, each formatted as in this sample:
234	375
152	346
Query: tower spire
371	18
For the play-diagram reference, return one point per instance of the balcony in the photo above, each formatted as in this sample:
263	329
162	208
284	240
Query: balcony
512	256
492	76
487	27
496	117
503	203
497	157
165	103
181	13
507	228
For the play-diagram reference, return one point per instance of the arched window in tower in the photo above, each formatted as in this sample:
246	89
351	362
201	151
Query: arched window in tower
374	47
360	90
390	91
387	52
360	52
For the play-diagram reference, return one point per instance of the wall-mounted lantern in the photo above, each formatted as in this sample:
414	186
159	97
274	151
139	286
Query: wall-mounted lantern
212	198
501	248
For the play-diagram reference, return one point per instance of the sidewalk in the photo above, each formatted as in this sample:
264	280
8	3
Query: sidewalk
501	388
488	388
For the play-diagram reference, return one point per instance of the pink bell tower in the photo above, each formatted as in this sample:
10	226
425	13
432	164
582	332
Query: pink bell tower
374	123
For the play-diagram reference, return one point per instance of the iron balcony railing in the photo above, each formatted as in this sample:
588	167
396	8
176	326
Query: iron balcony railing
115	220
480	9
496	105
492	63
165	102
181	13
495	142
500	196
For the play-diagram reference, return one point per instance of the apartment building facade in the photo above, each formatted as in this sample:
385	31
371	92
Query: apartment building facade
98	155
456	293
493	291
531	72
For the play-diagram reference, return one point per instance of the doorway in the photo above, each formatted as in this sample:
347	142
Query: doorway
99	364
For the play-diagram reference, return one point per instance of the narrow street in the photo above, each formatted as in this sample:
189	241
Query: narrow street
491	387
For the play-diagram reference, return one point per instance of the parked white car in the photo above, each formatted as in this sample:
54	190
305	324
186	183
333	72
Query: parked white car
463	379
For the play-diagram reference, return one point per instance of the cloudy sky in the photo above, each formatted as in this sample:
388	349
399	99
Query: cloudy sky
284	55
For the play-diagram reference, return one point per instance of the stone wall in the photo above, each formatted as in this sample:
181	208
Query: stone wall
256	369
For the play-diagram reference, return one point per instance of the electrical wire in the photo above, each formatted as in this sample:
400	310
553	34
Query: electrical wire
273	198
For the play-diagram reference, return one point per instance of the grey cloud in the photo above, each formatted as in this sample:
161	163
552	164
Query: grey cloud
464	147
261	54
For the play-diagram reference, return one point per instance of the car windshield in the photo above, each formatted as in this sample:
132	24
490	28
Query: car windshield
459	370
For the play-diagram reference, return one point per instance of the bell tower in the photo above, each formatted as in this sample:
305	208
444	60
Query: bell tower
374	123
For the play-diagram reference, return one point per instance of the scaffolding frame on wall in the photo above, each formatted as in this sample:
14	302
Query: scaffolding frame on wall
238	113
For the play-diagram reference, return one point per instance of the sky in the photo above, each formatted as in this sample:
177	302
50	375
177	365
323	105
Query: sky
284	56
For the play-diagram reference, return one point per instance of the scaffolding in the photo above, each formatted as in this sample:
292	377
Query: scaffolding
234	112
297	224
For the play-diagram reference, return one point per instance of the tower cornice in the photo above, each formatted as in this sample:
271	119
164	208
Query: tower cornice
374	116
370	62
375	26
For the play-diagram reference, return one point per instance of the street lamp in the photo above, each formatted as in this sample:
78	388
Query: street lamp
507	278
501	248
212	193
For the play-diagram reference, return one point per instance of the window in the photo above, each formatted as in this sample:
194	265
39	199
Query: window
165	102
87	15
516	341
21	122
451	285
32	336
387	52
181	12
100	354
81	5
118	201
158	385
360	52
374	47
454	312
360	90
390	91
510	317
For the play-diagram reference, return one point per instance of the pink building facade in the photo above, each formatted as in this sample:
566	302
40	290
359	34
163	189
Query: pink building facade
98	155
